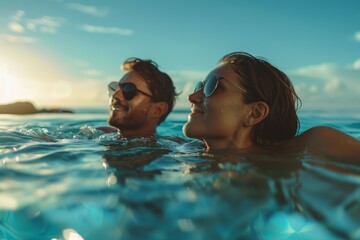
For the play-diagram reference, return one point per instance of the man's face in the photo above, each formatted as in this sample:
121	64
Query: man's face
130	114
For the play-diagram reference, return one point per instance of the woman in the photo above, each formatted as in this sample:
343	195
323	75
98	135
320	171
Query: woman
246	103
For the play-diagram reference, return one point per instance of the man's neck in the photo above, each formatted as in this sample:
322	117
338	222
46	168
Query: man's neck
137	133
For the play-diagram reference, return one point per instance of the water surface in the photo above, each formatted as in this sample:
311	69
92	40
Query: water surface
60	178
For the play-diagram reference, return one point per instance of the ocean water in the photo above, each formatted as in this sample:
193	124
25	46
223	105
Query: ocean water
62	179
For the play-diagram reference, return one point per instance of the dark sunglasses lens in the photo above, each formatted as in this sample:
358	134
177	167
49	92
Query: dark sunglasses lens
128	90
210	85
198	86
112	88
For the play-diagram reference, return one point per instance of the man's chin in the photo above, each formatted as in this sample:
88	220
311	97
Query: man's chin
122	125
116	116
113	121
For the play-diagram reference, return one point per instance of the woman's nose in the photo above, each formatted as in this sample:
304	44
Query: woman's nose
196	97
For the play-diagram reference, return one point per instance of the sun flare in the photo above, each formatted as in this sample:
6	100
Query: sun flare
12	87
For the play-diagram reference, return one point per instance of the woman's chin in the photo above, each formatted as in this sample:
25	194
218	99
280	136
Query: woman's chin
190	130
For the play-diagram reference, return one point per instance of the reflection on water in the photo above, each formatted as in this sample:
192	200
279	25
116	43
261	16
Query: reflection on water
62	179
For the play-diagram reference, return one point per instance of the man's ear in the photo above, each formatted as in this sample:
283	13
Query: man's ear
159	109
258	112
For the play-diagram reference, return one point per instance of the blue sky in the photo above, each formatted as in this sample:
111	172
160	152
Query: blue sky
64	52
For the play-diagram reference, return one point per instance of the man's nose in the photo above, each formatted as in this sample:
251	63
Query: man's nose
118	94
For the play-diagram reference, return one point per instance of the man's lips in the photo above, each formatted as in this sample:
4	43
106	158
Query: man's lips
118	107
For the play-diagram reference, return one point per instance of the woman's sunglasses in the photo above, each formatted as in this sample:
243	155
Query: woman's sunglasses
210	84
128	90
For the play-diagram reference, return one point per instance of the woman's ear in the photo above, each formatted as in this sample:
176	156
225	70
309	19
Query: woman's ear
258	112
159	109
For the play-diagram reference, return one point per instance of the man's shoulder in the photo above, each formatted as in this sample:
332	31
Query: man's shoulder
108	129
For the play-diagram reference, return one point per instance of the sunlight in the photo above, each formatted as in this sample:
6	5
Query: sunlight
283	225
29	74
12	87
71	234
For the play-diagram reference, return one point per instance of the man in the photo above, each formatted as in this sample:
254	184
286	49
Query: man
141	100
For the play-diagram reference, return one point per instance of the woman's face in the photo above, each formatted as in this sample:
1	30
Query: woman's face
220	116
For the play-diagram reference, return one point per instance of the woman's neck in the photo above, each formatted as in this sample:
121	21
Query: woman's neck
222	144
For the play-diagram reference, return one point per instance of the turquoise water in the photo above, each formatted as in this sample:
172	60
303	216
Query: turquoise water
61	179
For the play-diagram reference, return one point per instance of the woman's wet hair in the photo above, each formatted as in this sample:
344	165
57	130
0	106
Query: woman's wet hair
160	84
264	82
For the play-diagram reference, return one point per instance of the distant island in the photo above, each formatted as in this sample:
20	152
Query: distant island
28	108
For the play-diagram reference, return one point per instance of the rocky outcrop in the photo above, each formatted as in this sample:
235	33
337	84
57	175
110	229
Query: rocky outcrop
28	108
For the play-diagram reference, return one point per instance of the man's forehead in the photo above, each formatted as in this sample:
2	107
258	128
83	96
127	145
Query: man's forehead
133	77
136	79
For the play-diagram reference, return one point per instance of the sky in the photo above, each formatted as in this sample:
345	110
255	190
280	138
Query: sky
63	53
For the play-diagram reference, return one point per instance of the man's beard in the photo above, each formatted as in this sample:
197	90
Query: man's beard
131	121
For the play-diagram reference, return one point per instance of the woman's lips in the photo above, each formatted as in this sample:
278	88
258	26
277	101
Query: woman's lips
196	111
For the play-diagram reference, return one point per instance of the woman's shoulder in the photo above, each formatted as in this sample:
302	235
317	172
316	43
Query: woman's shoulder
329	142
325	133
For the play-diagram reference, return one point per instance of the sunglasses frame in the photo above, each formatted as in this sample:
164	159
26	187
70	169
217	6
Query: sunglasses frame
122	86
202	85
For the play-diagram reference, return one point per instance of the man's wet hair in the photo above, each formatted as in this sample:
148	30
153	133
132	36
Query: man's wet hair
160	83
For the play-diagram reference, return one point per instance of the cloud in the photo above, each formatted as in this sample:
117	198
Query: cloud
185	82
321	71
79	62
18	15
16	27
327	84
188	75
334	86
93	73
44	24
109	30
18	39
324	77
357	36
356	64
91	10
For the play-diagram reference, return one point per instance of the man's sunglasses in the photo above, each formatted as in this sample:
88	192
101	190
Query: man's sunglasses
210	84
128	90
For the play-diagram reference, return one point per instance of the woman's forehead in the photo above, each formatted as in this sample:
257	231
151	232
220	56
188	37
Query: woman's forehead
224	70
